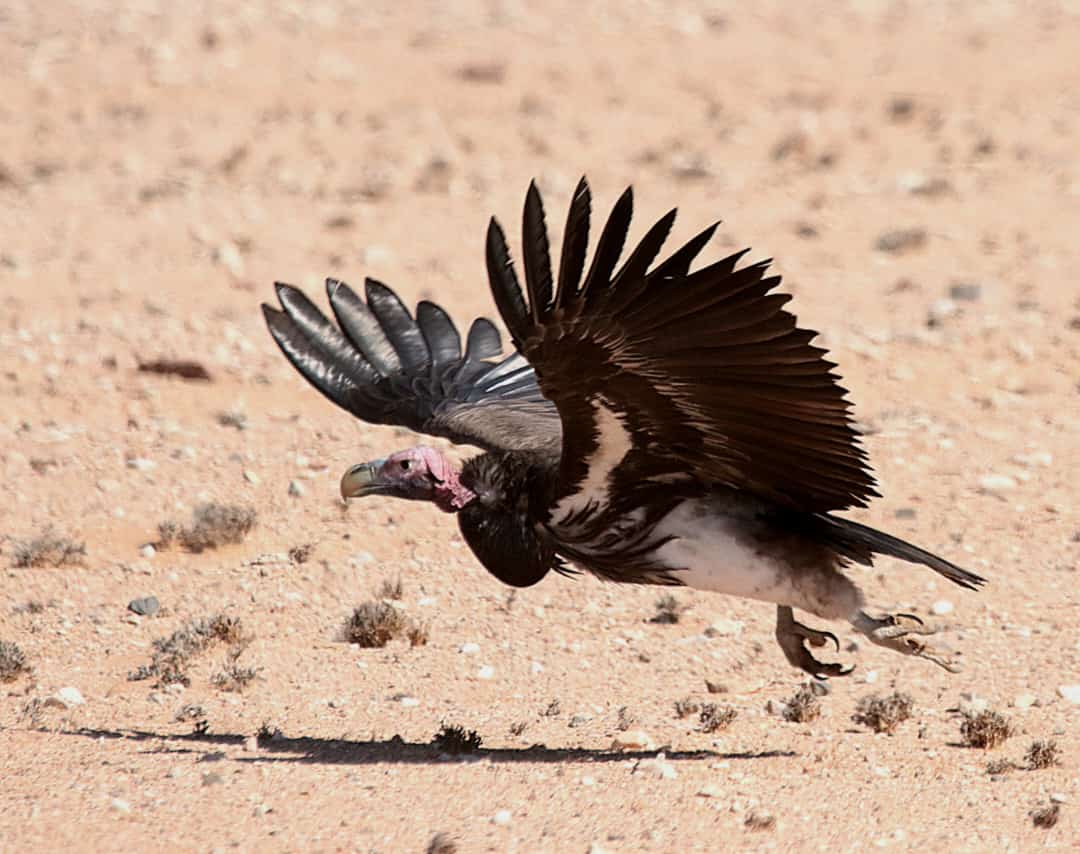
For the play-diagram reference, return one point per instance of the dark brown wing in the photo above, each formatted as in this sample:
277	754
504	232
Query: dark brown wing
665	374
386	367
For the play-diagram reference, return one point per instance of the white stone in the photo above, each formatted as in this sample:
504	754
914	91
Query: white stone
1024	701
251	477
725	628
997	482
536	667
657	768
486	672
1071	693
120	805
973	704
69	697
141	464
410	702
469	648
147	551
711	790
942	607
502	817
296	489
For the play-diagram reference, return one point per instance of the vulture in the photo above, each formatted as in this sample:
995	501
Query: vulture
655	424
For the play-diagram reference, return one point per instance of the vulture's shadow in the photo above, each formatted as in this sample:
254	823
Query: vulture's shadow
335	751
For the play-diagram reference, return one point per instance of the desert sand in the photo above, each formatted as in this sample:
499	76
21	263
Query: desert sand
911	167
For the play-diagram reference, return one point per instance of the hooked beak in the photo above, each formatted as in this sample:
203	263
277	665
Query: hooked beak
362	479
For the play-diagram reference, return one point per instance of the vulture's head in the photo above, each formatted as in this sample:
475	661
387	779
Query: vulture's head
418	474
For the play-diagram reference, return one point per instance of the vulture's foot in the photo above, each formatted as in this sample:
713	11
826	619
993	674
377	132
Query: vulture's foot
793	637
903	633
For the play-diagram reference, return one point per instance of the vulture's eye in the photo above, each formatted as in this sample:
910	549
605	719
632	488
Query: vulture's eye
404	465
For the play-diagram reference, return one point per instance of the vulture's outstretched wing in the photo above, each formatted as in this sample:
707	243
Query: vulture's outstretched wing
386	367
662	374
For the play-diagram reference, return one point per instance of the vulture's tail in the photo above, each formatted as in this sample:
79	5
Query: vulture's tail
859	542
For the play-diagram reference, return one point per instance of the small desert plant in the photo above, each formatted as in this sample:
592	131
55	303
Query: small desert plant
233	677
626	719
267	733
996	767
803	706
189	712
455	739
375	624
442	843
390	589
13	663
1046	817
49	549
212	525
1043	754
553	710
301	554
714	717
668	610
884	714
518	728
985	729
760	821
686	707
173	654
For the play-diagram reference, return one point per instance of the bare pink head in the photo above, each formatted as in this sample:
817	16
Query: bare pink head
417	474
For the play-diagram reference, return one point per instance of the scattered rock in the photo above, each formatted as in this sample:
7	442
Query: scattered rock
904	513
469	648
724	628
711	790
942	607
120	805
486	672
1070	693
502	817
995	483
147	551
940	311
900	240
1024	701
633	739
67	698
656	768
296	489
141	464
965	292
147	606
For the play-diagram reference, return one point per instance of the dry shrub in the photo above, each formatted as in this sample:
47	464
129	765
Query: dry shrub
714	717
996	767
13	663
49	549
803	707
985	730
760	821
173	654
301	554
884	714
668	610
375	624
212	525
390	589
1043	754
442	843
233	677
687	706
455	739
1046	817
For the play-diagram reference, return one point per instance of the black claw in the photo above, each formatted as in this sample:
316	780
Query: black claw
909	616
833	638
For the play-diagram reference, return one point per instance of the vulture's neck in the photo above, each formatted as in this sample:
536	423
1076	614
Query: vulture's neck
451	494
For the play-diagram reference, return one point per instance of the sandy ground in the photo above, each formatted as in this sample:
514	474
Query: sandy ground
160	169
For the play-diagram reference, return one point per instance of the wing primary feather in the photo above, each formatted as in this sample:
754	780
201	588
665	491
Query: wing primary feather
504	284
678	263
398	324
362	328
440	334
609	247
575	244
536	253
484	341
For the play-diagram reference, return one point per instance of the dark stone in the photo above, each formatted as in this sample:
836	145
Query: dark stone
145	607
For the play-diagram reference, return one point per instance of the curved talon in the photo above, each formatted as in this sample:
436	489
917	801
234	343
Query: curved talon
793	638
899	632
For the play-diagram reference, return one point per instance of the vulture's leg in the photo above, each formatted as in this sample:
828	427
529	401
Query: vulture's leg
903	633
793	637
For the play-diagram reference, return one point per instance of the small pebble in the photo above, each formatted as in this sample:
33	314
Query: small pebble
996	483
486	672
296	489
942	607
724	628
711	790
147	551
657	768
1071	693
251	477
141	464
120	805
212	778
972	704
147	606
901	240
410	702
965	292
502	817
469	648
819	688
